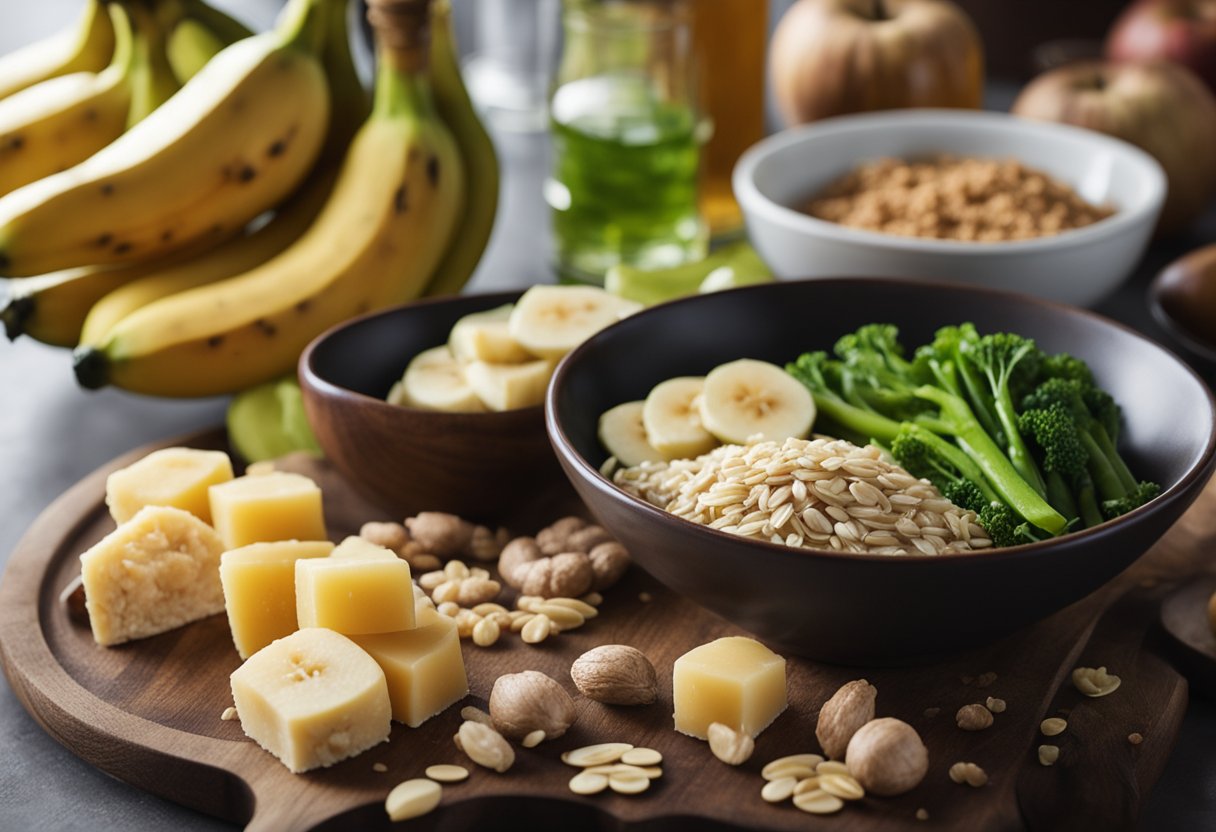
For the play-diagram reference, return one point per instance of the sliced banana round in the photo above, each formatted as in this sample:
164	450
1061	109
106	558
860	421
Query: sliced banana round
624	435
434	380
672	420
747	398
549	321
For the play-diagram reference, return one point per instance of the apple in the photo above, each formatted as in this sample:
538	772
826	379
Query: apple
830	57
1161	108
1186	292
1182	31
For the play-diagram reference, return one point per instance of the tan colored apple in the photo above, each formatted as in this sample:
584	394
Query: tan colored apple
830	57
1160	107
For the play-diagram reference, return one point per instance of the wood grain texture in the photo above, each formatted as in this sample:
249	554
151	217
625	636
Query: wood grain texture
149	712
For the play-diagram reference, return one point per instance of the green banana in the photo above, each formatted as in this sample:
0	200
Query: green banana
235	141
198	33
268	421
477	151
85	47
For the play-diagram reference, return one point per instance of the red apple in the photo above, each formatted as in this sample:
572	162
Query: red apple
1162	108
830	57
1182	31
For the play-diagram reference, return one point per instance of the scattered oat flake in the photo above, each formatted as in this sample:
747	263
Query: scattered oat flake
380	767
997	706
1135	738
229	714
922	814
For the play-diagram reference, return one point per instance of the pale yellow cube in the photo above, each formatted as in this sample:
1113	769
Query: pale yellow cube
260	590
423	666
736	681
312	699
355	595
267	507
155	572
177	477
357	547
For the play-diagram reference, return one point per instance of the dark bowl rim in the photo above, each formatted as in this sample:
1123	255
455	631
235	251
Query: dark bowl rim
311	380
566	451
1173	326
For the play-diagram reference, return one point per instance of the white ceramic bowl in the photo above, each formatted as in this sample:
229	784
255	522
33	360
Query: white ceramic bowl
1081	266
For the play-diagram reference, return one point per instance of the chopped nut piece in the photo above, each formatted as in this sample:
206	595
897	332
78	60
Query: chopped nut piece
593	598
581	607
486	632
485	746
818	802
449	608
641	757
968	773
412	799
536	630
997	706
587	783
1094	682
807	760
628	783
841	785
444	773
1048	754
533	739
379	767
518	622
728	745
807	784
595	755
922	814
831	767
229	714
781	789
1053	726
1135	738
985	679
445	535
973	717
389	535
645	597
471	714
563	617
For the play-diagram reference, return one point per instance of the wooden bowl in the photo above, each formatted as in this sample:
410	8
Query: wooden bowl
871	609
487	467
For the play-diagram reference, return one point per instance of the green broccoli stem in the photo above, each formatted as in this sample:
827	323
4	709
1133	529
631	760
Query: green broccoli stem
1102	440
1109	485
1019	454
978	397
857	421
1087	500
1060	496
951	453
1000	472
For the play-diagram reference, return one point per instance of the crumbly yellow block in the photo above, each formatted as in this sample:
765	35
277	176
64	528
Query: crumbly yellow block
267	507
736	681
259	583
312	699
355	595
177	477
423	666
157	571
357	547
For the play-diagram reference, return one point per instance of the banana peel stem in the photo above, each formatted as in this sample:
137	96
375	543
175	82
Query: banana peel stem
402	91
91	368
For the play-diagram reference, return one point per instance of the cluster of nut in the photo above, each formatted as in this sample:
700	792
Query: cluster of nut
566	559
817	786
428	539
886	755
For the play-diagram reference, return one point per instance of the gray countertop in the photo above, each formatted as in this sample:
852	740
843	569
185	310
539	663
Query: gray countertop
52	433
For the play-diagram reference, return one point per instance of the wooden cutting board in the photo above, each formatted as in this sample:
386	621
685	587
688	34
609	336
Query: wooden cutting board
149	712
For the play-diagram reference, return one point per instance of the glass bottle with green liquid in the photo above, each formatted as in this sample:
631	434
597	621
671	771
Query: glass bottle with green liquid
626	139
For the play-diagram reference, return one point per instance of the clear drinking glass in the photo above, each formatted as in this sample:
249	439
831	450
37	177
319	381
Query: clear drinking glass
509	70
627	139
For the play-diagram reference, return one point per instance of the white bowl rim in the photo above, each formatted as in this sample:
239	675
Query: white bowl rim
753	200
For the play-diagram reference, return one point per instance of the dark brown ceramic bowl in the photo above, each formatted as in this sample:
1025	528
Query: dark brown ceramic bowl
483	466
867	609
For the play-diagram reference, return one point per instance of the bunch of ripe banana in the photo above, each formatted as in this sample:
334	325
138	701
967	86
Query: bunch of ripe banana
199	251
